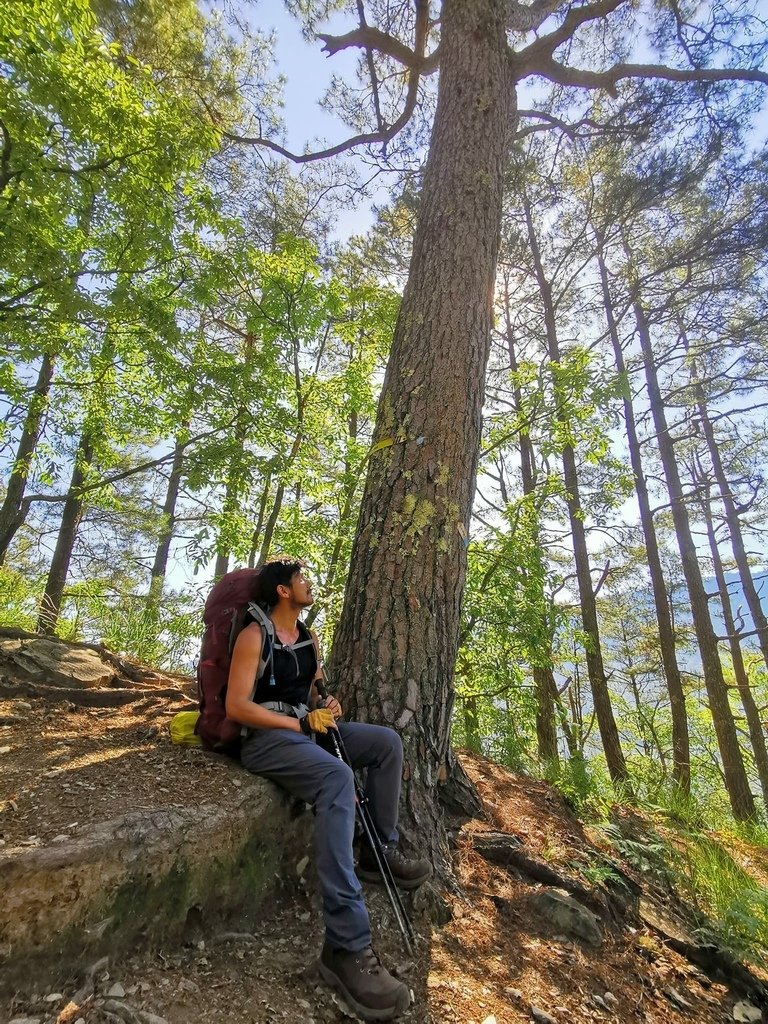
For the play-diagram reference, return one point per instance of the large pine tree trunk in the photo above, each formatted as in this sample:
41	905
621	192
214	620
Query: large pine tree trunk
12	510
396	643
681	754
737	785
609	733
72	513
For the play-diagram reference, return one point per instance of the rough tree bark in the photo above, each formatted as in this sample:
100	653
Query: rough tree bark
736	782
601	697
681	753
396	643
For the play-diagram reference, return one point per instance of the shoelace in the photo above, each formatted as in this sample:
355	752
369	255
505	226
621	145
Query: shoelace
397	860
368	956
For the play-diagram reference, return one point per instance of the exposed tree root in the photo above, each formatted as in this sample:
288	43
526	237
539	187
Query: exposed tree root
459	796
714	960
95	697
504	849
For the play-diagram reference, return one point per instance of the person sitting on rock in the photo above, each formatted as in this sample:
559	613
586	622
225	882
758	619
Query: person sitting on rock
283	718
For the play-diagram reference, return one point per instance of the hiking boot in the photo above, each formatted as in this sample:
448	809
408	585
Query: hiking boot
408	874
365	983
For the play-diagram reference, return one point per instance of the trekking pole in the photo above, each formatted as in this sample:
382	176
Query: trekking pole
376	845
372	837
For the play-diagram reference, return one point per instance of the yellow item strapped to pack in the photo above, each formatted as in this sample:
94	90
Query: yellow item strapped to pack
182	728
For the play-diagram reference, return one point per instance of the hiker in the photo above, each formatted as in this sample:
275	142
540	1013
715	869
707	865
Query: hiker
286	723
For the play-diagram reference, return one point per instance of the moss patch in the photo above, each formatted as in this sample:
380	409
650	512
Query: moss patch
148	910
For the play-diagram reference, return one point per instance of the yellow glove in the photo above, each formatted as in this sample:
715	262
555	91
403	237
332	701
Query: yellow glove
320	720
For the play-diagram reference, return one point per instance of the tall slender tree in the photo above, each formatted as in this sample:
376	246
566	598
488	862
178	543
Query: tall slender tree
609	734
681	756
737	784
751	711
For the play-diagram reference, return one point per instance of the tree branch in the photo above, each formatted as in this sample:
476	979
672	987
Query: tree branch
574	19
100	165
580	78
571	130
529	17
368	37
380	123
117	477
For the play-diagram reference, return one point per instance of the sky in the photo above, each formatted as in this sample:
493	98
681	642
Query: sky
308	72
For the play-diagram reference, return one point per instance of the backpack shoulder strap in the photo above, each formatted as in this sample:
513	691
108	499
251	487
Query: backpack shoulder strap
319	673
258	615
305	639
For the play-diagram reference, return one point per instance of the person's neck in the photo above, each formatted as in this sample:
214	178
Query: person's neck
285	618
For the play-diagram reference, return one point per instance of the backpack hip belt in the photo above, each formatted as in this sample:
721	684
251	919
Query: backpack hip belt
292	710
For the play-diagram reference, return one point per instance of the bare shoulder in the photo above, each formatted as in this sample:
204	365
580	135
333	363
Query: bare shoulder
249	638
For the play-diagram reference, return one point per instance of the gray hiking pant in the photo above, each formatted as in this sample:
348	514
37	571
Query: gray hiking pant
300	765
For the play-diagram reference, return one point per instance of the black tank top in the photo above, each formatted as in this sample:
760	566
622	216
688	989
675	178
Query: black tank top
293	667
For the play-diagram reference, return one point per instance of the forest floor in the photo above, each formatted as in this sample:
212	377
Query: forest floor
496	962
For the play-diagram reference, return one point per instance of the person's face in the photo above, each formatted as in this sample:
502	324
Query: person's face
301	590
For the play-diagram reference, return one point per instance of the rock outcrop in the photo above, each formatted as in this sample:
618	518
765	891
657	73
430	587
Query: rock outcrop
110	837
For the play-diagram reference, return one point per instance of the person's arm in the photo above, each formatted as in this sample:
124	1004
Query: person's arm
330	702
243	670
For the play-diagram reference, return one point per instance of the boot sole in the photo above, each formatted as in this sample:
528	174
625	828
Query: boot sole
366	1012
401	883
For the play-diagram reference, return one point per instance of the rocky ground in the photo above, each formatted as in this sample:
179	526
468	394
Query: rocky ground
534	936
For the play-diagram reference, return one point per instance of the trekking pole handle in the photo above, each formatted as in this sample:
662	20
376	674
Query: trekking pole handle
321	692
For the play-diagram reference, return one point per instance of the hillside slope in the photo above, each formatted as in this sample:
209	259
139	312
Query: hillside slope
547	924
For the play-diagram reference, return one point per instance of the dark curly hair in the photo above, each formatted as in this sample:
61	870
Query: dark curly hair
277	573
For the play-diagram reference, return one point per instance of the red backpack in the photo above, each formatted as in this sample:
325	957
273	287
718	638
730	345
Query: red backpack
223	618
